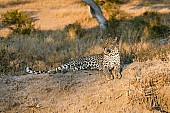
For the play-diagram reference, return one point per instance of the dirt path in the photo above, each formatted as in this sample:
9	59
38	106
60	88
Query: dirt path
85	91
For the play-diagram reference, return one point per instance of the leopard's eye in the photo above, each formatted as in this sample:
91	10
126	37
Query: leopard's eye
108	50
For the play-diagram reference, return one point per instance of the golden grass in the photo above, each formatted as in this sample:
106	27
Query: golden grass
52	45
44	49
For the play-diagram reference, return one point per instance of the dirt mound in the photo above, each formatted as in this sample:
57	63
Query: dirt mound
143	87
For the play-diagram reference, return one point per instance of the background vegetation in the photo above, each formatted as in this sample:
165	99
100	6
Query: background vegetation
18	22
141	38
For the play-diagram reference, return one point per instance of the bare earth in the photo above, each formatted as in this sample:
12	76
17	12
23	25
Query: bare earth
85	91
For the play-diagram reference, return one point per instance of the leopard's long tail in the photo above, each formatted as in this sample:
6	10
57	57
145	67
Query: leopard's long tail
61	69
30	71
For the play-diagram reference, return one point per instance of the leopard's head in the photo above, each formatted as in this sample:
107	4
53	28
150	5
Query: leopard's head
111	50
110	46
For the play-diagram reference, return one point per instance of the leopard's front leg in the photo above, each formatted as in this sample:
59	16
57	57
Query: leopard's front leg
108	74
116	72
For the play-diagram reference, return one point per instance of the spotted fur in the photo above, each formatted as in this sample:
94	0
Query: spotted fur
108	62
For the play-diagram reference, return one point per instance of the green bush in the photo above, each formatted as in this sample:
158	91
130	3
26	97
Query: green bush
18	22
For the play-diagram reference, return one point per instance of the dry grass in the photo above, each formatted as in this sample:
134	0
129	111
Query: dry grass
46	49
135	37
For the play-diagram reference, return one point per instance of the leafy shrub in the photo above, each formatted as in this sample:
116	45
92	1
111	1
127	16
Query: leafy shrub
18	22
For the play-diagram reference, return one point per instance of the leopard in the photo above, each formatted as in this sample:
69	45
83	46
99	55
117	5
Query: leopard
108	62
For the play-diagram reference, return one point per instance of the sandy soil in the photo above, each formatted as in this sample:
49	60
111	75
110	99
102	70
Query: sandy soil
87	91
